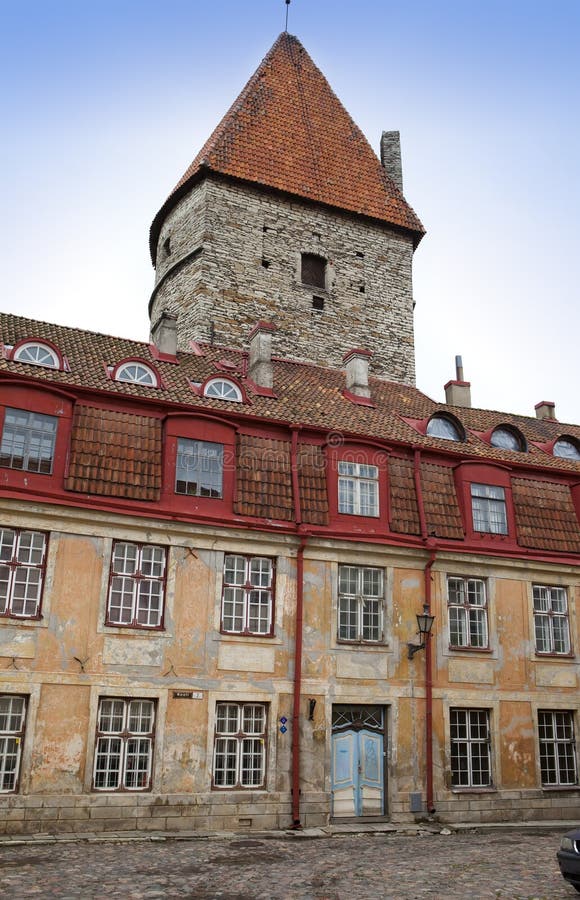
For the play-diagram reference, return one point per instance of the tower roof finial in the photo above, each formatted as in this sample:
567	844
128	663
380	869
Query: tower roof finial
287	7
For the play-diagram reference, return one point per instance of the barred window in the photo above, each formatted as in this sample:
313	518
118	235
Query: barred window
557	747
551	624
360	604
137	585
248	595
12	722
199	471
358	489
470	748
124	745
488	507
28	440
239	758
22	566
467	605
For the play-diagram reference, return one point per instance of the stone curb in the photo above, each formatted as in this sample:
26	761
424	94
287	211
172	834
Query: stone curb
327	831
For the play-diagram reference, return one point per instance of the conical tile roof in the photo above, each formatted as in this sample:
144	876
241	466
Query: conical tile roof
287	130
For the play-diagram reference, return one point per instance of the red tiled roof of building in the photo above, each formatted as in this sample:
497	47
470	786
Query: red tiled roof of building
305	394
545	516
287	130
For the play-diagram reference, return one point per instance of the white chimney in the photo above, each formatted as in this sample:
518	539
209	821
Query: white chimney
164	334
458	392
391	156
357	371
546	409
260	364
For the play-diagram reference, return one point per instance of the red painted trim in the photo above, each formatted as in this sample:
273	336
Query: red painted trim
419	492
297	682
37	340
429	691
295	480
356	398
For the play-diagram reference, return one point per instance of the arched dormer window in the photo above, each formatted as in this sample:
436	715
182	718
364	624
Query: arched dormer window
37	354
223	389
567	447
446	427
135	372
505	437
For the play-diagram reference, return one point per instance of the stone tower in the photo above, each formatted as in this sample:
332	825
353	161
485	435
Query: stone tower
286	214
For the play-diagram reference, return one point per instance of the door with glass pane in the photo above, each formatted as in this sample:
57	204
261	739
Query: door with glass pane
358	762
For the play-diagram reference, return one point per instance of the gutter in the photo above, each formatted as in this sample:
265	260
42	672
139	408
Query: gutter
298	637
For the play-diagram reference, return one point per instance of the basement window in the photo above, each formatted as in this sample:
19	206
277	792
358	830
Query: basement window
313	270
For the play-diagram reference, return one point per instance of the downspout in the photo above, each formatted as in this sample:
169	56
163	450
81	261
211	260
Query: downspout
430	543
298	634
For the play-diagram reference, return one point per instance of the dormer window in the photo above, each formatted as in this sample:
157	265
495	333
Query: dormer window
136	373
313	270
445	427
37	354
506	438
567	448
488	508
223	389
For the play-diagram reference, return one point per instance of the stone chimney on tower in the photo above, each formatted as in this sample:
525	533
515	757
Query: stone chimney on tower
391	156
260	368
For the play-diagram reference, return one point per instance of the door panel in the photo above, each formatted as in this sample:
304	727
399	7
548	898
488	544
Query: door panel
344	769
357	774
370	747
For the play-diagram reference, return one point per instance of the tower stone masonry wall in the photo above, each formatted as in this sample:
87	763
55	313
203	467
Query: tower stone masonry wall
249	269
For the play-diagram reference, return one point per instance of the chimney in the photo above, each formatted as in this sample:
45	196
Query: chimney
357	371
458	392
391	156
546	410
164	334
260	368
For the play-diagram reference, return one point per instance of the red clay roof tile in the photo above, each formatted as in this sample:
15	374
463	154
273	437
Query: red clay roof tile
545	515
288	130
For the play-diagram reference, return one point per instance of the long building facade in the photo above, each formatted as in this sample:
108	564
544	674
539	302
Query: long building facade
214	546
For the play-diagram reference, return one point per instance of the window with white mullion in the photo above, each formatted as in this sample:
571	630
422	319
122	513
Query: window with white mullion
551	623
470	748
12	722
137	585
488	506
239	758
124	745
467	607
557	747
360	604
22	563
358	489
248	595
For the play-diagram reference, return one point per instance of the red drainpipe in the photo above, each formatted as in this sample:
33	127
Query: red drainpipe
298	636
430	543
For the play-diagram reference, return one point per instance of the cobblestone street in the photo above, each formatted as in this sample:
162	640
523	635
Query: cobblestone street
355	867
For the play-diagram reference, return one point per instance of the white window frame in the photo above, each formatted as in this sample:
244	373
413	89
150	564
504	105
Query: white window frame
223	389
137	580
489	508
358	489
546	599
136	373
123	736
477	748
37	354
13	713
444	428
355	605
33	439
557	747
19	575
235	744
471	616
247	605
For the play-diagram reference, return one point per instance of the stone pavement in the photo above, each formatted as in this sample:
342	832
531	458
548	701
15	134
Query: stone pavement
379	862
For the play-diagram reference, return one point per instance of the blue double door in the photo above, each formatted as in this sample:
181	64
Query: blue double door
358	783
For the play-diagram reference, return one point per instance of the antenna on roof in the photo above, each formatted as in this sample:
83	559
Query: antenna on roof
287	5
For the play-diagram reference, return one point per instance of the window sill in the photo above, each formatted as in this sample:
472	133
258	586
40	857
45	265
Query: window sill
554	656
474	790
133	631
376	646
560	788
470	650
28	622
226	637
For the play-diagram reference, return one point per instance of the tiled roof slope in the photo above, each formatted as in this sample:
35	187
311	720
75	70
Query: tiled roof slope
288	130
115	454
442	514
545	516
305	394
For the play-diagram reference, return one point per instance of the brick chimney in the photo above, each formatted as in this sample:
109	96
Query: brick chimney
546	409
357	371
391	156
260	368
458	392
164	334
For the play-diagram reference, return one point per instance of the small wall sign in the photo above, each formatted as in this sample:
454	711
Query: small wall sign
187	695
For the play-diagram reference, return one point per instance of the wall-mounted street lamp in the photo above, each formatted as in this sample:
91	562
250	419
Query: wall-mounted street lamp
424	624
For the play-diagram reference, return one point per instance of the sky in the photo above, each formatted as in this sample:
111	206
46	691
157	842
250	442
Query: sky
105	104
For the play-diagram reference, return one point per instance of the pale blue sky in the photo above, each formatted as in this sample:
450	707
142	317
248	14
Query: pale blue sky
105	104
